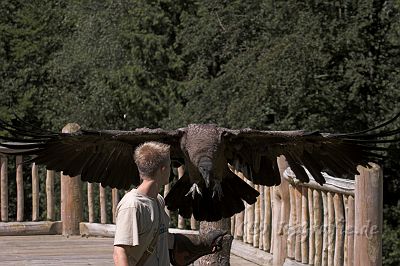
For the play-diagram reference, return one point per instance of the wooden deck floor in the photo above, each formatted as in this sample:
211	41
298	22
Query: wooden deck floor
59	250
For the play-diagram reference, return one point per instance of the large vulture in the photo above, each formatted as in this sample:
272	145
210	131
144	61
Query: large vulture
208	189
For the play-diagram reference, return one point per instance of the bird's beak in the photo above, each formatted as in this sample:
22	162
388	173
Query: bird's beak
205	168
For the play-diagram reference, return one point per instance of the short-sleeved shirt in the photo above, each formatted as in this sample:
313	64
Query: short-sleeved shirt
136	218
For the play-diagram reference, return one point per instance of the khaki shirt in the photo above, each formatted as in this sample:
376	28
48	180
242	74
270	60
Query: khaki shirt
136	218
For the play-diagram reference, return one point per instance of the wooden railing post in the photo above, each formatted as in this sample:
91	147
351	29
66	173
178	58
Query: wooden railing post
20	189
4	189
71	197
35	193
115	200
50	202
280	220
103	209
90	202
181	220
267	219
350	231
368	216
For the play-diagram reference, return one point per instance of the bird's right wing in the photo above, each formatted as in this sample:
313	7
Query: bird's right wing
257	150
104	156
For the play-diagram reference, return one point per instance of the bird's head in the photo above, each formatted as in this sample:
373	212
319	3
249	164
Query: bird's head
202	145
205	169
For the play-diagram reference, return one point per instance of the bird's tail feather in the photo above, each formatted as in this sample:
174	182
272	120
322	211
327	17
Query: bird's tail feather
176	198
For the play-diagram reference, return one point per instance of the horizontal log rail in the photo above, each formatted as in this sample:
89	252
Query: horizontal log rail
290	224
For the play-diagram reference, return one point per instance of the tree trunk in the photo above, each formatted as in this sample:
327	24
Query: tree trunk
222	257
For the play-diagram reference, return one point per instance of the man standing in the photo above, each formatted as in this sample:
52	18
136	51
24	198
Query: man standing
141	236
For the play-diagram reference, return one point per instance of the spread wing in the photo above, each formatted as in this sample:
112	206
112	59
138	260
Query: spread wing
104	156
255	152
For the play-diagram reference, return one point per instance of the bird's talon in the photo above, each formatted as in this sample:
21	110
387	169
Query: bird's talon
195	188
217	190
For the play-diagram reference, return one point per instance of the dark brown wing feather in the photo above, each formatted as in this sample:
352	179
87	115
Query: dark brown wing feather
104	156
338	154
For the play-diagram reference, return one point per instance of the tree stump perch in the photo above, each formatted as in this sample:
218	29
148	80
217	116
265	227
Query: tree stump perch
222	257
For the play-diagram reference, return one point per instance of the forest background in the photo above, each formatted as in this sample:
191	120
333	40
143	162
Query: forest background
265	64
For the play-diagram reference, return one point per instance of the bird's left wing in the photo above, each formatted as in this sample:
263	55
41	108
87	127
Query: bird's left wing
255	152
104	156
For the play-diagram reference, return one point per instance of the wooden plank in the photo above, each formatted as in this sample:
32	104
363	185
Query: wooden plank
103	201
35	192
239	217
262	217
255	256
1	174
331	229
272	192
339	232
90	190
108	230
50	197
20	189
233	226
239	222
194	225
325	228
368	216
292	223
346	235
318	226
54	250
96	229
250	209
30	228
181	220
4	189
114	201
71	196
304	225
311	239
290	262
280	216
245	215
256	227
267	219
333	184
297	253
350	231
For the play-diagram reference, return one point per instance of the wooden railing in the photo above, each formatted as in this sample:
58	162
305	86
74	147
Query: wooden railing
68	208
339	223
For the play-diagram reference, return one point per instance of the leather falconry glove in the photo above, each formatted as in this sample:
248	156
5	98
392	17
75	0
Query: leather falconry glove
188	248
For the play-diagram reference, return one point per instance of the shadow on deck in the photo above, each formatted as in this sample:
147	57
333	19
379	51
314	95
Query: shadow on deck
59	250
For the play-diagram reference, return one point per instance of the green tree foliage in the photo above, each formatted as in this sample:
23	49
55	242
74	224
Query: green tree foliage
118	66
310	64
30	34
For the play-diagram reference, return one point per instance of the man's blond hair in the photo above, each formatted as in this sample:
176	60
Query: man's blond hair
150	156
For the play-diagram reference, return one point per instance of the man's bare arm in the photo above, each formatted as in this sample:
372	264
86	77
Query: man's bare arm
122	253
120	256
